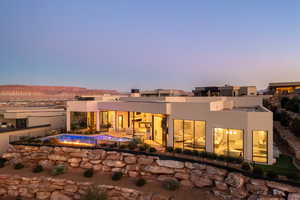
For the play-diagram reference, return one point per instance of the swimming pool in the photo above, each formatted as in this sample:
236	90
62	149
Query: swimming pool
86	140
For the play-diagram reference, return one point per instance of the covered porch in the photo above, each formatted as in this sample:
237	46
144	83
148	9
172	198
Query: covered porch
148	127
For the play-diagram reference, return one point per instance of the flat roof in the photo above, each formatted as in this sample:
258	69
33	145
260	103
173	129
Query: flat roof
278	84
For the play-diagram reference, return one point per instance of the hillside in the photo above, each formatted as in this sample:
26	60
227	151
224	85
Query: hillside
28	92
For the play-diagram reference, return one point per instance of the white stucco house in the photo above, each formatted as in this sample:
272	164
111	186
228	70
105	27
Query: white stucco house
231	126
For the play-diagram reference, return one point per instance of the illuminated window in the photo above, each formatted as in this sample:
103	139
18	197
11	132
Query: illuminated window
260	146
228	142
178	134
189	134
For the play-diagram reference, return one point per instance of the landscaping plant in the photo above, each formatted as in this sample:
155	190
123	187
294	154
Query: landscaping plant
152	150
116	176
57	170
38	169
169	149
140	182
171	184
89	172
19	166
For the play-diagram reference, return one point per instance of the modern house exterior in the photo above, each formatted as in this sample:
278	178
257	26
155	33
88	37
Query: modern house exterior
283	87
26	117
231	126
226	90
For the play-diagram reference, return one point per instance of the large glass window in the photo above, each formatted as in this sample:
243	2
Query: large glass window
228	142
199	137
188	126
189	134
260	146
178	134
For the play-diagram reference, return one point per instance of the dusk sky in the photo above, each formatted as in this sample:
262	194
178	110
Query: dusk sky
123	44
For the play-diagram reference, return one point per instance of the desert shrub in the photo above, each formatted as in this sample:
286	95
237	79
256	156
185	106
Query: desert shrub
38	169
152	150
2	162
140	182
257	172
178	150
195	152
19	166
246	166
93	193
221	158
132	145
293	176
169	149
88	172
187	152
144	147
284	101
171	184
272	175
295	127
284	119
202	154
116	176
236	160
210	155
57	170
122	146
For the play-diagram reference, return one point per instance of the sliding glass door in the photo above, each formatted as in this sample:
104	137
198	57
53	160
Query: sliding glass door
189	134
260	146
228	142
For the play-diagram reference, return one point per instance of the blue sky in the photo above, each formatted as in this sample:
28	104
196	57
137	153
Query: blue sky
123	44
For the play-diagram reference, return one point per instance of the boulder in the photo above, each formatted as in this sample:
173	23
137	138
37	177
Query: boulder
47	164
57	157
240	193
114	163
158	170
170	164
257	189
95	162
215	171
86	165
43	195
97	167
235	180
145	161
201	181
3	191
283	187
80	154
294	196
220	185
182	176
130	159
71	188
59	196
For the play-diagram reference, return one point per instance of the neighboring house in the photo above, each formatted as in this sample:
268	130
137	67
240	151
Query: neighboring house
27	117
232	126
283	87
226	90
162	93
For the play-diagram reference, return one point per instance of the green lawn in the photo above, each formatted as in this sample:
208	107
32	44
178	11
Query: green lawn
283	166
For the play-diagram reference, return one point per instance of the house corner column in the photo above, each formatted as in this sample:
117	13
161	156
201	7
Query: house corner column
68	121
97	121
170	137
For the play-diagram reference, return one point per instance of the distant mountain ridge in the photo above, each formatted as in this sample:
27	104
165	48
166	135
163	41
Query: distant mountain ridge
28	92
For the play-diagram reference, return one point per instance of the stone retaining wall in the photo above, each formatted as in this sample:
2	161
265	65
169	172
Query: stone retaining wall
43	188
224	184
